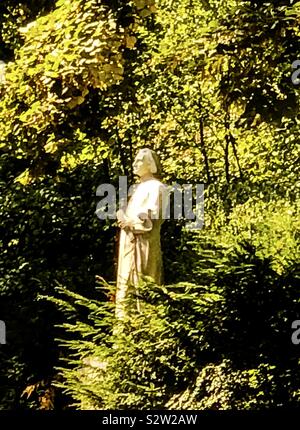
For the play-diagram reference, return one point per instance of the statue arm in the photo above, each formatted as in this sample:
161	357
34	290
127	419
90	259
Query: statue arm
141	224
151	210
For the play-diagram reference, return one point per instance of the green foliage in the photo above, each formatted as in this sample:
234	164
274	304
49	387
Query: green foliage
14	14
207	85
220	345
42	242
271	227
42	239
70	58
221	386
139	362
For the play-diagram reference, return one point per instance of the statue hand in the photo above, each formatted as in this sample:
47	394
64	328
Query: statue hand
143	216
122	221
120	215
125	225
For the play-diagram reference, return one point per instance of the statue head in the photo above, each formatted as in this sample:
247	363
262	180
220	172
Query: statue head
146	162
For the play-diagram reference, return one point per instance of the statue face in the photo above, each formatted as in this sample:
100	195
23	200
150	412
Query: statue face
141	165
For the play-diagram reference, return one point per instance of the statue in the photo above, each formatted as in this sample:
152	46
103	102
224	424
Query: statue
140	222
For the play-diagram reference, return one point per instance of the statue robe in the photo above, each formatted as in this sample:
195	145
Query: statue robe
139	248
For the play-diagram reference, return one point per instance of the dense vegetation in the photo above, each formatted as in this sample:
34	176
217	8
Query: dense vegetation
206	84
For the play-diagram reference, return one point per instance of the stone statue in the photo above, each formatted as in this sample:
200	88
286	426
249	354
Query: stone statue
140	222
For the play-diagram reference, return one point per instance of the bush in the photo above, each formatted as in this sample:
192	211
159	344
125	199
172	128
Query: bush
221	345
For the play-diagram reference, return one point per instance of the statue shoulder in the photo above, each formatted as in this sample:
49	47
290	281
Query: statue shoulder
156	183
